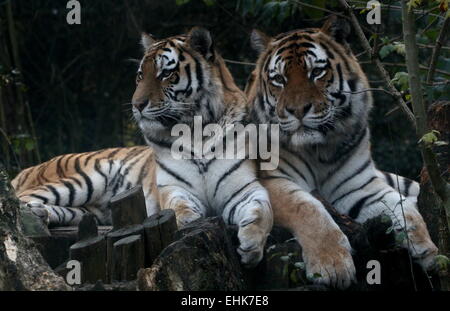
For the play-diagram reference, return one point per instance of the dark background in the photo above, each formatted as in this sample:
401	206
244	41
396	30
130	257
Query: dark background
65	88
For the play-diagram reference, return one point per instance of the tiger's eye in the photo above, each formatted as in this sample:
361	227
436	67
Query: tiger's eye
140	76
165	74
278	79
316	72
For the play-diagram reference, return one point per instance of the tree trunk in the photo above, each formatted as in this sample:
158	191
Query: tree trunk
21	265
430	205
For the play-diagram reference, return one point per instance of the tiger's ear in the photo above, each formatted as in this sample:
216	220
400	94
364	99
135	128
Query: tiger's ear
200	40
259	41
337	28
147	40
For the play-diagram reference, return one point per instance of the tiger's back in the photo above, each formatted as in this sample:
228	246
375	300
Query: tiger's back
62	189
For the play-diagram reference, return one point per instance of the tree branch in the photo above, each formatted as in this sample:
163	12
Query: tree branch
437	48
384	74
412	63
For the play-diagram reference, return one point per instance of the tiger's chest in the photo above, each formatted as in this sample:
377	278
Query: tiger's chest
207	179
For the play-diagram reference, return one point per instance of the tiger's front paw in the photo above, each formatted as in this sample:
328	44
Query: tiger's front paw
330	265
418	241
185	216
251	254
39	210
252	240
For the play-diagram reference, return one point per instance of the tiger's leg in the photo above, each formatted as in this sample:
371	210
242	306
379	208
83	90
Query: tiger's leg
53	215
326	250
187	206
64	203
249	208
379	198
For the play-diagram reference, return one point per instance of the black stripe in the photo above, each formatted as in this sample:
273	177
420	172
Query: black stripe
407	183
60	221
79	183
389	179
292	167
72	192
97	168
233	209
227	173
72	214
86	178
70	156
89	157
170	172
55	193
358	171
42	198
380	197
236	193
356	208
353	190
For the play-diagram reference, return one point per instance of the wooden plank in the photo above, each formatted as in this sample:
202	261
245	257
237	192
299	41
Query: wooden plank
128	258
128	208
159	231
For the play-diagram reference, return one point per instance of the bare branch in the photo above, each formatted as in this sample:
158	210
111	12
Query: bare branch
238	62
437	49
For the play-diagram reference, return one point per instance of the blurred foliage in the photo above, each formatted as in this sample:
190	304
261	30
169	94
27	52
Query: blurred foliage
78	79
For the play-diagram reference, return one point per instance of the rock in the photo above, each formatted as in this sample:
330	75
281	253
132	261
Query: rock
32	226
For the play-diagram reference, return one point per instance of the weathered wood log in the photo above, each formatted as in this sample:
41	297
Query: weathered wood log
128	208
128	258
159	230
113	237
202	259
90	251
87	227
22	267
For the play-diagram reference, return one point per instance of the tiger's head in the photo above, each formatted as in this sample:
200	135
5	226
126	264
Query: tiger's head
178	78
309	82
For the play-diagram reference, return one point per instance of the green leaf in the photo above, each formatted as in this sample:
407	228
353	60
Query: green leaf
385	219
209	2
401	80
313	12
399	48
429	138
386	50
442	262
317	275
29	144
181	2
412	4
284	258
400	237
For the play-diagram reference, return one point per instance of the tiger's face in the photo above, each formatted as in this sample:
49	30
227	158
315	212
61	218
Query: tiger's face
172	79
304	81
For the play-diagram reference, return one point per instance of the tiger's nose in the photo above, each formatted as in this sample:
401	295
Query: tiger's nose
140	105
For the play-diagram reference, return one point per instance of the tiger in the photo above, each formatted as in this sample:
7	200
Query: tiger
406	186
179	79
63	189
309	83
